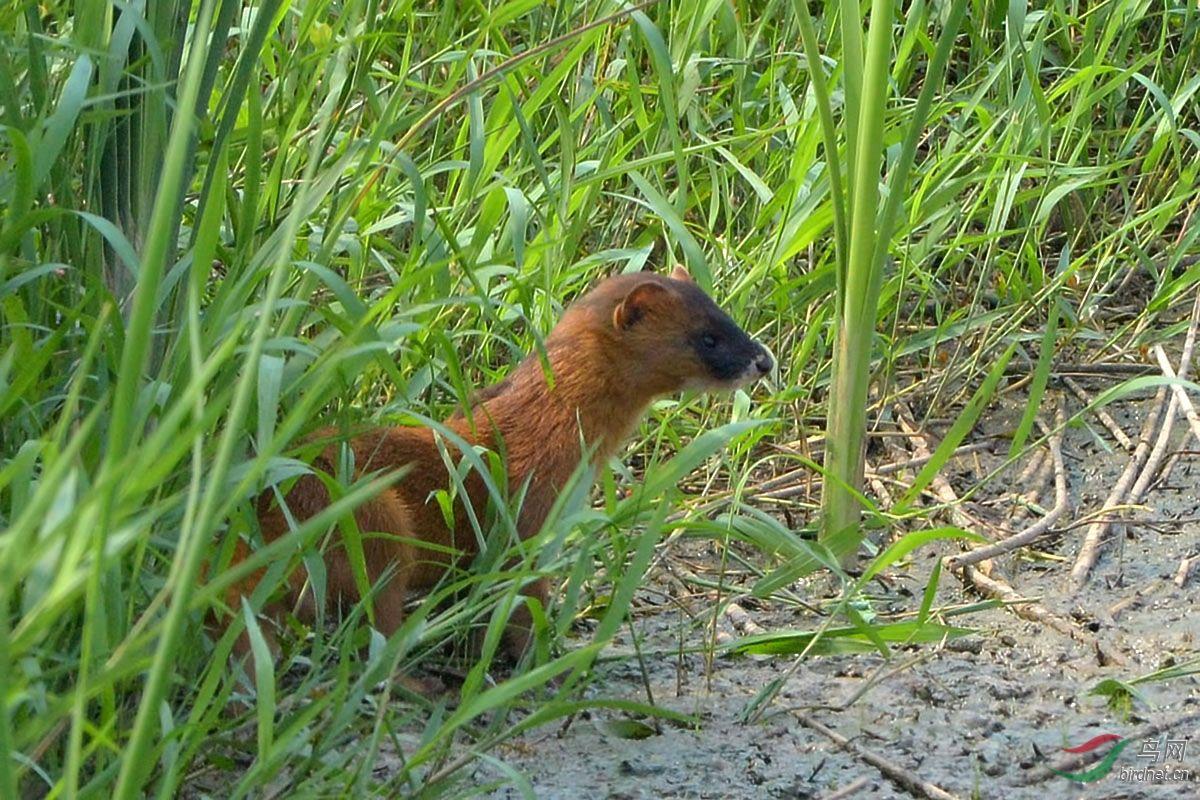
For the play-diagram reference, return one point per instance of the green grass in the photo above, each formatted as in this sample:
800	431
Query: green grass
377	207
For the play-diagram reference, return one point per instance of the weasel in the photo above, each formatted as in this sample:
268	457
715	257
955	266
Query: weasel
632	338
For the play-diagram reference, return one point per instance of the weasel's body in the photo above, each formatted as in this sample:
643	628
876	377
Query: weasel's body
631	339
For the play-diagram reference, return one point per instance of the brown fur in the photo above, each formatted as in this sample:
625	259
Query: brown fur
615	350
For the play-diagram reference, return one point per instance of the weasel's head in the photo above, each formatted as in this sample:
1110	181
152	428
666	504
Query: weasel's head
670	336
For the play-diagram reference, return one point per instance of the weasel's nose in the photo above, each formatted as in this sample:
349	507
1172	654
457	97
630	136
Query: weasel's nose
763	363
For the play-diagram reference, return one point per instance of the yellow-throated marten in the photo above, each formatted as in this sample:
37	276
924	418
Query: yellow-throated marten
632	338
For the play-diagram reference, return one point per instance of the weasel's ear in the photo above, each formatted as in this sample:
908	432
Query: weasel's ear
640	300
681	274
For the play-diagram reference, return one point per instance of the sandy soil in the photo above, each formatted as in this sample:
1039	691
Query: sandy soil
982	716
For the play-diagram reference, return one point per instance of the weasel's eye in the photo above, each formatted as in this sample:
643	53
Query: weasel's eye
709	340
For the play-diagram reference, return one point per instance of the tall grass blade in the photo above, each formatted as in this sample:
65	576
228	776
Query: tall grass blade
869	237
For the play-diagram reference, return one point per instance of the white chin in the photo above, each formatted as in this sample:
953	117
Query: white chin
748	376
744	379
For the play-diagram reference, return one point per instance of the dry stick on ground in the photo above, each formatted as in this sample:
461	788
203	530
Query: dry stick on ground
939	485
851	789
1034	467
1101	413
996	587
1090	549
1147	464
919	461
1186	565
1185	402
1037	472
905	779
1179	400
1023	505
742	621
879	488
1062	503
1154	461
1085	370
981	578
1131	601
801	479
1164	475
990	586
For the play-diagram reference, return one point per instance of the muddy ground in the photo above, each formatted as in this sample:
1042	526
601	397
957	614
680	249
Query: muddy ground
982	716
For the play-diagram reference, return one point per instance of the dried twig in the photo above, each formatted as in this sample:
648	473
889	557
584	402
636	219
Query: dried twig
851	789
1037	482
879	488
1157	453
1181	397
1178	399
802	481
995	587
1124	604
1186	565
742	621
1149	462
1101	413
920	460
905	779
940	487
1085	370
1041	527
1033	471
981	577
1181	400
1090	550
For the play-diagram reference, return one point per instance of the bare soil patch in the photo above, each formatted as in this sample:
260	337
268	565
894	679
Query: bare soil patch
982	716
